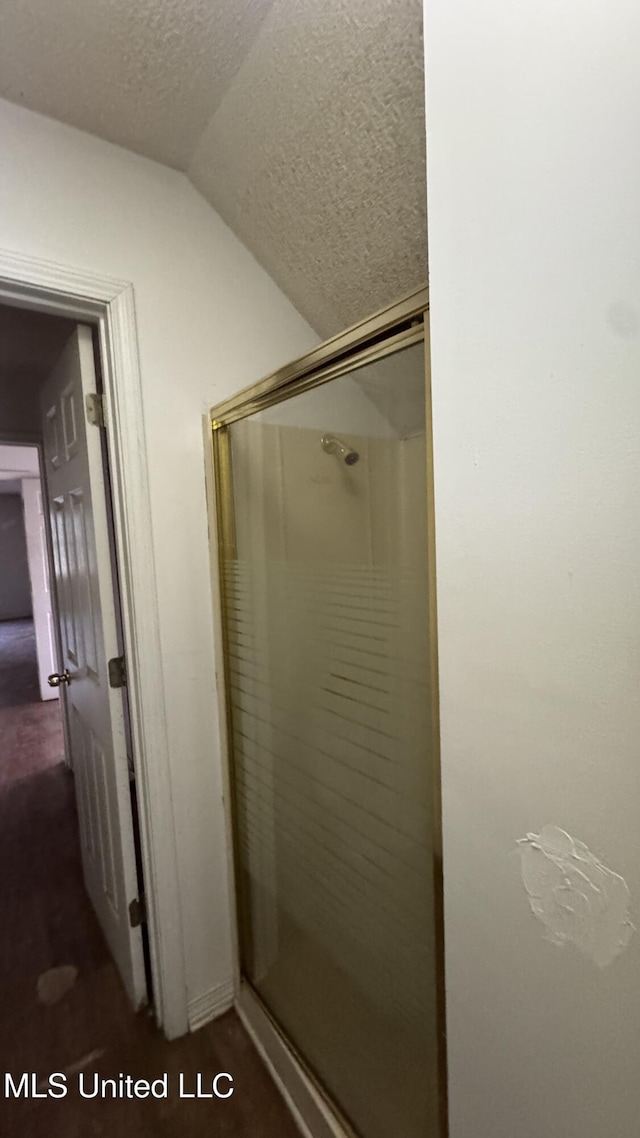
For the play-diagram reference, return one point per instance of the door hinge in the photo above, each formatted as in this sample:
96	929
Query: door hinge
95	409
137	913
117	672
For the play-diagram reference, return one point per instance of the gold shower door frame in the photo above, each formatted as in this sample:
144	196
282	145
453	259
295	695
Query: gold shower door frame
386	332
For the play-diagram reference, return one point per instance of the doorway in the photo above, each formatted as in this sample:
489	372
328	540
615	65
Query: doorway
50	392
107	305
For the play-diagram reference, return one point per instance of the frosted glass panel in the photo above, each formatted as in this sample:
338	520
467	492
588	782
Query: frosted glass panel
328	642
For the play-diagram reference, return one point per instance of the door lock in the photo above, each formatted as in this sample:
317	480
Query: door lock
58	678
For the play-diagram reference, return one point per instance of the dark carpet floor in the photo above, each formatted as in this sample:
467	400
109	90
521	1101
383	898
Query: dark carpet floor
46	922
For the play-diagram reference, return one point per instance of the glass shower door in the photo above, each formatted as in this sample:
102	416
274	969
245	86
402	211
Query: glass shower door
333	735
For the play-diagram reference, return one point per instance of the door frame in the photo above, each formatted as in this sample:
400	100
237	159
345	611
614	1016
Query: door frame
386	332
108	304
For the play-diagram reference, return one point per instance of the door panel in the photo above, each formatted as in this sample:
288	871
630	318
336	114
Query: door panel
325	575
86	606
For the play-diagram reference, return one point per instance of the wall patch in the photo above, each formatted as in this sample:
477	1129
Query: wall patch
576	897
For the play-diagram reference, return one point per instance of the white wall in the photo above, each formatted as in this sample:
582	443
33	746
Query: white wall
18	461
533	120
15	594
209	321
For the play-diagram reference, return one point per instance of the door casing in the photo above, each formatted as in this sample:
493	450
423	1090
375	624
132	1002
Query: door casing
91	298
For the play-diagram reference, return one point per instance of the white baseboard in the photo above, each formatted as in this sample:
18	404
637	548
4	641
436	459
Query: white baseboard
211	1004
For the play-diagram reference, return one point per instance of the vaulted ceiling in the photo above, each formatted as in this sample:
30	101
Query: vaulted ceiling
300	121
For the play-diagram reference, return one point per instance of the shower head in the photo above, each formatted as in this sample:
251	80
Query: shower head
332	445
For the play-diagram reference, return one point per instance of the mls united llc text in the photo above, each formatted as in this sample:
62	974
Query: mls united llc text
58	1085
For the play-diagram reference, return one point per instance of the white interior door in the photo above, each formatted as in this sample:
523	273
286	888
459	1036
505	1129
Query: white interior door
34	524
75	491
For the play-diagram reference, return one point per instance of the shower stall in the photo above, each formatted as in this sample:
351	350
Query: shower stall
325	545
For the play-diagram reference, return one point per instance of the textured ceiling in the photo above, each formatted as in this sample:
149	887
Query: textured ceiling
300	121
146	74
316	155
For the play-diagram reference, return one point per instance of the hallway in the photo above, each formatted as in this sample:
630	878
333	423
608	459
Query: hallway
46	922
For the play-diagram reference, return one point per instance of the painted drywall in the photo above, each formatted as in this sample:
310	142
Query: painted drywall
17	462
533	117
15	590
210	321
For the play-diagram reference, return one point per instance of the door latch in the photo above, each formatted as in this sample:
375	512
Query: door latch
94	405
117	672
137	912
